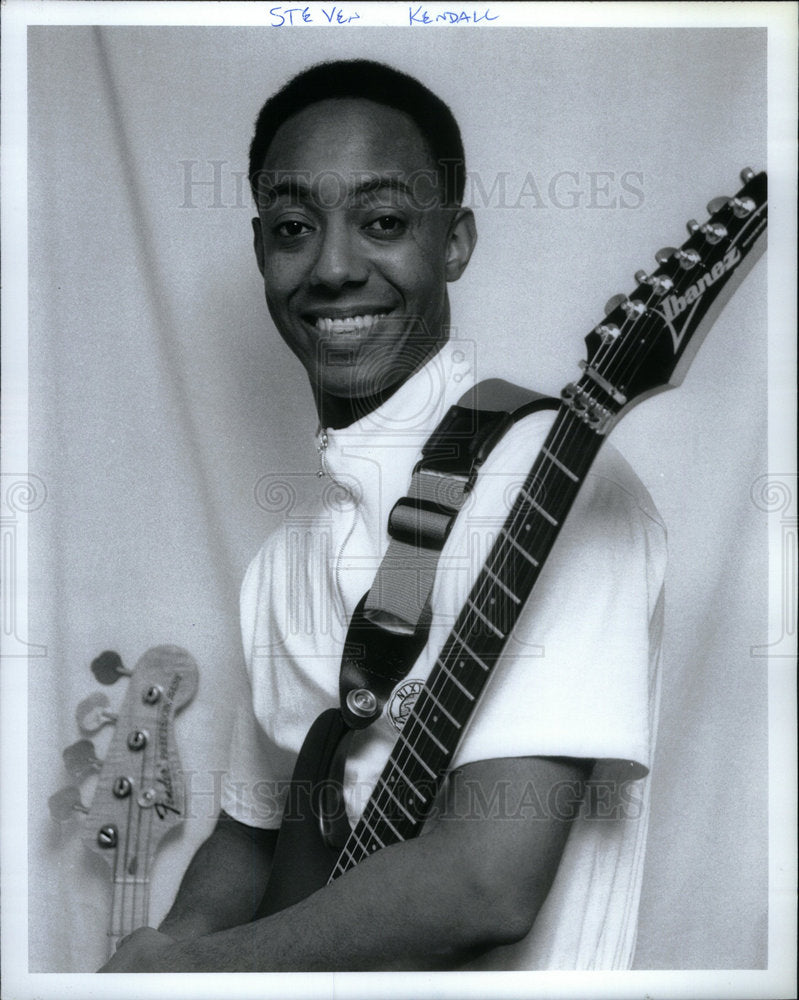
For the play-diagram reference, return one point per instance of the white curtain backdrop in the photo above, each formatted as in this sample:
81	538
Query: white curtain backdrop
163	406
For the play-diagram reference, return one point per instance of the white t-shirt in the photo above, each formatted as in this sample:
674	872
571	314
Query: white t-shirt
578	677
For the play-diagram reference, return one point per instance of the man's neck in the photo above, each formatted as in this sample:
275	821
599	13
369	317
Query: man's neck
341	411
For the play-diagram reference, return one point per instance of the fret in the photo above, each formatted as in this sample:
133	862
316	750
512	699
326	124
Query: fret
387	821
482	617
387	788
537	506
372	833
470	651
516	545
432	736
403	740
453	678
420	795
428	693
501	585
563	468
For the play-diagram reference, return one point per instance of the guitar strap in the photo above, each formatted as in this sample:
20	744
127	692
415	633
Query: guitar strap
391	622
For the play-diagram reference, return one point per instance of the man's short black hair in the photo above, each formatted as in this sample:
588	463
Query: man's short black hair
372	81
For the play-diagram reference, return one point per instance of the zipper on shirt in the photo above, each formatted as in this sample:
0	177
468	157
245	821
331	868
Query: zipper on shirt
322	448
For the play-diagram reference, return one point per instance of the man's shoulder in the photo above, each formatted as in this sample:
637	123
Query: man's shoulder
611	479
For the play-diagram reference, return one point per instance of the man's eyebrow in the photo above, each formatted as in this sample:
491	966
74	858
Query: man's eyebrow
299	188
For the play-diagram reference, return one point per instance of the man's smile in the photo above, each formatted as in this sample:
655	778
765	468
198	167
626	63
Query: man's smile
350	321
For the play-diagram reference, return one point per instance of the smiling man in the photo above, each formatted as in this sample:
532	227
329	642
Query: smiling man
531	857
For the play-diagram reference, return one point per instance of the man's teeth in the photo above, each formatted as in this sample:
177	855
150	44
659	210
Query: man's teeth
347	324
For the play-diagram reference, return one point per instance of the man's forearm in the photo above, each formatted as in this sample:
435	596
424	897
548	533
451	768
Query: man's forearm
383	914
224	882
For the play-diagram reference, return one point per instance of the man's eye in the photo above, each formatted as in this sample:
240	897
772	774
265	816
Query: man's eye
386	224
292	227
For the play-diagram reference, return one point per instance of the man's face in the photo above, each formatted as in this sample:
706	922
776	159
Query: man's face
355	247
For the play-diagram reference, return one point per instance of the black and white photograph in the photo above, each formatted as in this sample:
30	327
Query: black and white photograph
362	633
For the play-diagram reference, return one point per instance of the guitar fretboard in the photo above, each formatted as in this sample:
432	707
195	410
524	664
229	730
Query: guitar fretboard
415	769
643	345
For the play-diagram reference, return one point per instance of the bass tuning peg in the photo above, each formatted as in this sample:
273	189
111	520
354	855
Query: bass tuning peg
664	254
747	174
91	714
80	759
64	804
108	667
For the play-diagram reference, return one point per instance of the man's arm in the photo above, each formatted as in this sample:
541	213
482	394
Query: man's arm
474	881
224	882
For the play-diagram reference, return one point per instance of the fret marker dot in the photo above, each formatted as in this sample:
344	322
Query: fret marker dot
527	527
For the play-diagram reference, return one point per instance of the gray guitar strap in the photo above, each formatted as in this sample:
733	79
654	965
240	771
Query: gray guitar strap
391	623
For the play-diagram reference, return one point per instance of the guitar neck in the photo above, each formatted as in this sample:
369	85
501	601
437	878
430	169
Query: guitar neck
130	907
643	345
414	772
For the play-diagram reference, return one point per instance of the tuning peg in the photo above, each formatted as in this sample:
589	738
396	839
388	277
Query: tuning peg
714	232
91	714
80	759
659	283
741	207
747	174
664	254
716	204
108	667
614	303
692	226
64	804
687	258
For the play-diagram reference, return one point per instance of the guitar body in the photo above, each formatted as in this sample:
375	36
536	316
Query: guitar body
303	859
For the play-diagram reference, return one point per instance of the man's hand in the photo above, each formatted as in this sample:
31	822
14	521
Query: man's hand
145	950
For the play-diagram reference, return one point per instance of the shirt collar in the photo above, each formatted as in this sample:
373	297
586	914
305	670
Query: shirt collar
391	436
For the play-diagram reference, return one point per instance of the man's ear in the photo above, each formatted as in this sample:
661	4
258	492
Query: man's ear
460	243
258	243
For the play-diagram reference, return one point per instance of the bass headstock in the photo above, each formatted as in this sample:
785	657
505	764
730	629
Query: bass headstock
648	339
139	793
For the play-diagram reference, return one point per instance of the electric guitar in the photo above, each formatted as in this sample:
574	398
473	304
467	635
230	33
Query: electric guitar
139	797
644	345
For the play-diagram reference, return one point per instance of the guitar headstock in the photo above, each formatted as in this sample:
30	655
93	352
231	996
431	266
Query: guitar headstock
648	339
139	795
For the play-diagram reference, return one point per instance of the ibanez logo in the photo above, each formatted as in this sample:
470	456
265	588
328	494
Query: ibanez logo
674	306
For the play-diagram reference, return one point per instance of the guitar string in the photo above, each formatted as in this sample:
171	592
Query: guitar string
401	758
634	354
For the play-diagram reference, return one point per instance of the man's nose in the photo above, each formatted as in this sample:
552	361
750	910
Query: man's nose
340	260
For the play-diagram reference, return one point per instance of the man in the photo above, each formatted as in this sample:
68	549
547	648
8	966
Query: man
532	857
